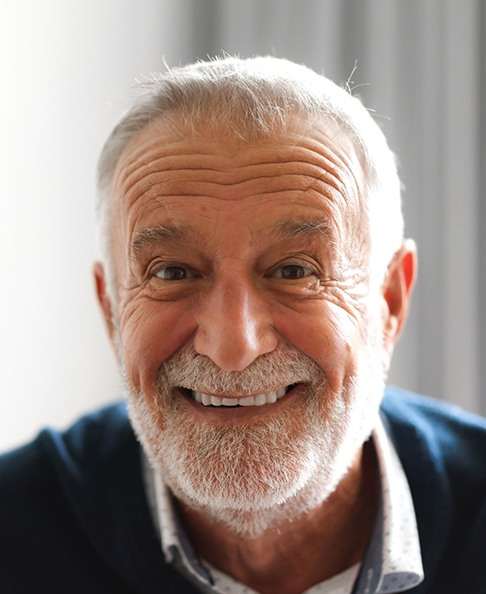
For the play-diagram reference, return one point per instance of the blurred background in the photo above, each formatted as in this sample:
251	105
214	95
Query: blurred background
68	72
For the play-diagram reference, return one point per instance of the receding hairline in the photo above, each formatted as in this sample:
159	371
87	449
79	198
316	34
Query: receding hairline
255	99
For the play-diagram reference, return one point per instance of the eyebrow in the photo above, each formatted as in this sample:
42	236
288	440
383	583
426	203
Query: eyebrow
295	228
289	229
160	233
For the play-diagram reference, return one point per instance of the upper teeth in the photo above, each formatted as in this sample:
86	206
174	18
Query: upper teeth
257	400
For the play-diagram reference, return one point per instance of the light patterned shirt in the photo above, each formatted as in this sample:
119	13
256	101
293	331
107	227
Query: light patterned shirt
392	562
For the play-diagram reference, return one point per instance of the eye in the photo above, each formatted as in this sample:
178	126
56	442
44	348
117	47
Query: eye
174	273
292	271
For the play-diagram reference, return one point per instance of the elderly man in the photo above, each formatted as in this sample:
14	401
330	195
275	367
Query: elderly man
254	282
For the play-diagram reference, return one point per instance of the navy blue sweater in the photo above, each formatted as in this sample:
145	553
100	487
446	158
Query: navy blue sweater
74	517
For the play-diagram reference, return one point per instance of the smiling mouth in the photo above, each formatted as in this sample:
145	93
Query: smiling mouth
229	401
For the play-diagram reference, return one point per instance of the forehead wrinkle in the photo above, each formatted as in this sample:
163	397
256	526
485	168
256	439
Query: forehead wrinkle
338	161
220	166
145	152
146	172
179	157
222	149
341	183
158	184
313	161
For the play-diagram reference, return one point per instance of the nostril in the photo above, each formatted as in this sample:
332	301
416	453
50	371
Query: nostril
233	328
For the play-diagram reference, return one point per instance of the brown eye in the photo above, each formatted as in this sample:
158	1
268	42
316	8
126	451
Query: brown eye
292	271
173	273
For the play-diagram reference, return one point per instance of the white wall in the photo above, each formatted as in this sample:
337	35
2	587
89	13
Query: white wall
66	69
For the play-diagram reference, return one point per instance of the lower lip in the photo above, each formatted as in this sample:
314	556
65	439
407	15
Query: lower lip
239	413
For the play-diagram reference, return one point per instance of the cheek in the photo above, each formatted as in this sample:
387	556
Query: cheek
151	332
327	334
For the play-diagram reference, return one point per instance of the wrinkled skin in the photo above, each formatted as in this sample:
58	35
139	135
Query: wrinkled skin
239	250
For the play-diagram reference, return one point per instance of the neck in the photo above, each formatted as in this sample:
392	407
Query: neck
299	552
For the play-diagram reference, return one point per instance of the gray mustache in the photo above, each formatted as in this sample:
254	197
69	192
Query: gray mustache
280	368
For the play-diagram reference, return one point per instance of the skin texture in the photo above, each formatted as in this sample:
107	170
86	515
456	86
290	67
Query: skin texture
239	249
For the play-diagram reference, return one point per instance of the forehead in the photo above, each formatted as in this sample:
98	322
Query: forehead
166	173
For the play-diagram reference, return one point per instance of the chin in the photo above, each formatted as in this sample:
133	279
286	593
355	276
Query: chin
252	477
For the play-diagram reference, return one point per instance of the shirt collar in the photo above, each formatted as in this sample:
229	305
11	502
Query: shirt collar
176	545
392	562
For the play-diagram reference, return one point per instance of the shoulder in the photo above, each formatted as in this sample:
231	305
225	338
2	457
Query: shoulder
74	515
443	451
445	431
61	497
65	462
93	456
56	451
439	440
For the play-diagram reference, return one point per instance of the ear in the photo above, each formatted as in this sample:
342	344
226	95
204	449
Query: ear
103	298
397	290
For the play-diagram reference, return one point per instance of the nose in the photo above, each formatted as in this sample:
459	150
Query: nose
234	325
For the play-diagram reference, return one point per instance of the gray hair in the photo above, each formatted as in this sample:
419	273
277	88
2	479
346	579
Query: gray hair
255	98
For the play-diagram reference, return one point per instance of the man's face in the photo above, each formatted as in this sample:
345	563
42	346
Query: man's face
249	340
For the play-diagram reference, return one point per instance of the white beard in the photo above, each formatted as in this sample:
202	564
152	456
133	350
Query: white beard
251	477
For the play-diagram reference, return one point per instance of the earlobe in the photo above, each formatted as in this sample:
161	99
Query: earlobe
103	297
397	291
